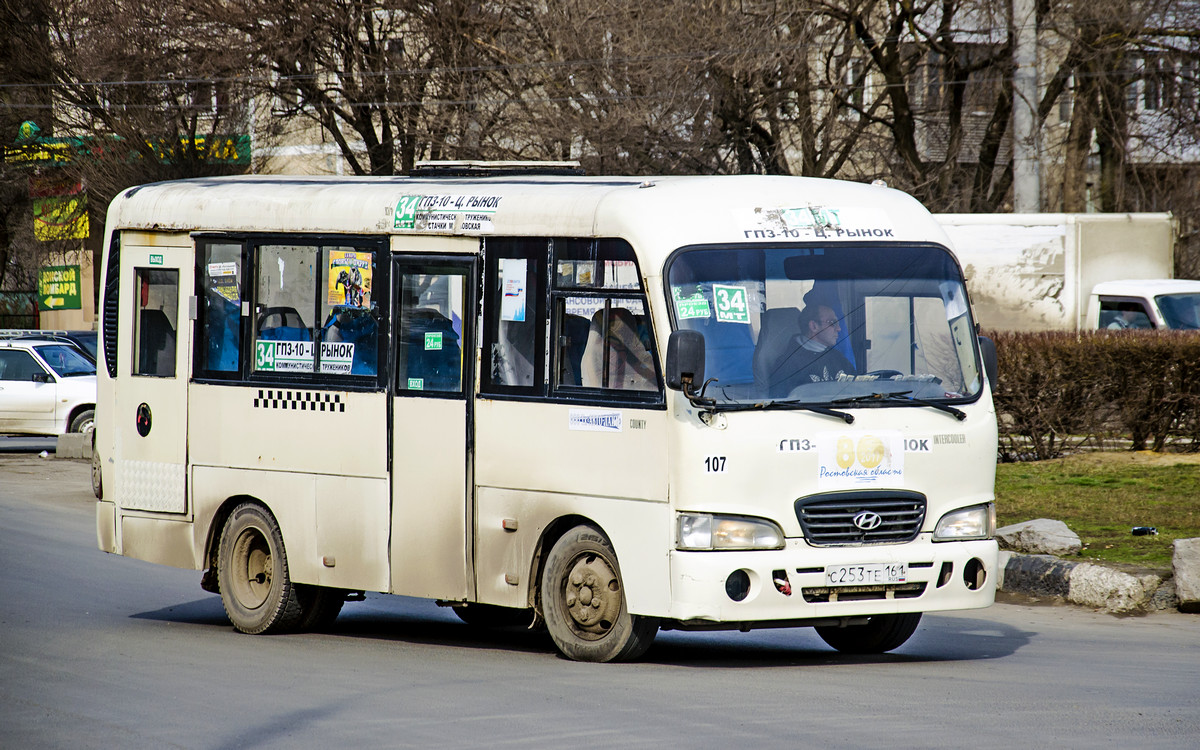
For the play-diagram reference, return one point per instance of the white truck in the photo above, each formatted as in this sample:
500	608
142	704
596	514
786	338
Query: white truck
1039	272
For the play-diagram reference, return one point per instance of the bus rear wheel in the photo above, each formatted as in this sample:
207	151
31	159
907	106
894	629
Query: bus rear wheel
320	606
583	601
492	616
880	634
258	595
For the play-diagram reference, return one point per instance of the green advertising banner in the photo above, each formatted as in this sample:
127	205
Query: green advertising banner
58	288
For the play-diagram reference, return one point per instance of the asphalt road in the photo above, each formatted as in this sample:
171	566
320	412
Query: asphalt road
27	444
102	651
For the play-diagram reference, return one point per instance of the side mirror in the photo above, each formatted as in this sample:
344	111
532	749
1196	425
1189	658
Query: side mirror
991	365
42	377
685	361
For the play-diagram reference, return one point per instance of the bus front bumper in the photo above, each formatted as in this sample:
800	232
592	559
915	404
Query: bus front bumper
765	588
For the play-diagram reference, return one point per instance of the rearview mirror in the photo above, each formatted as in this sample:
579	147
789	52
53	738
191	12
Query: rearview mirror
685	360
991	365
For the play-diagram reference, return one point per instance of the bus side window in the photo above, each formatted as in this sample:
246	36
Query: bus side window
155	316
221	298
349	333
285	292
515	323
603	335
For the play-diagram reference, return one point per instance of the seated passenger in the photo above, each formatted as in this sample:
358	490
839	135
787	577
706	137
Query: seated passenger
812	354
619	358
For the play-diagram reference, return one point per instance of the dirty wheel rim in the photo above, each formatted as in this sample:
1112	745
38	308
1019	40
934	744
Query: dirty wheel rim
592	596
251	569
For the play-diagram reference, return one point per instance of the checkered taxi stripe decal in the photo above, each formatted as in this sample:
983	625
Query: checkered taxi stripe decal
299	401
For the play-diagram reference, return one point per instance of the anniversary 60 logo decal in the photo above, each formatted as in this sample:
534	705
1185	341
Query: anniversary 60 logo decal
859	459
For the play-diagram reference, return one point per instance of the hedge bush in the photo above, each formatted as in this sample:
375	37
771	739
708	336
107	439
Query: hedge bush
1063	391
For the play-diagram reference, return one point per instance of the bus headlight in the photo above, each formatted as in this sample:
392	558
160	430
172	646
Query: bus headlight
703	531
977	522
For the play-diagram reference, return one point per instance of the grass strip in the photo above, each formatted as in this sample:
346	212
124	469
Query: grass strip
1102	496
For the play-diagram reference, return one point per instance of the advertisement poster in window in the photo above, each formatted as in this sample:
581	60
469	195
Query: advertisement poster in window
512	304
223	280
349	279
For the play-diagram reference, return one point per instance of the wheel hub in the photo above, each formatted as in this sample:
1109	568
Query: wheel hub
252	559
592	594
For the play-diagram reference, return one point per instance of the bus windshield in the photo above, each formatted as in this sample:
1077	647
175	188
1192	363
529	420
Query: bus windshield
827	324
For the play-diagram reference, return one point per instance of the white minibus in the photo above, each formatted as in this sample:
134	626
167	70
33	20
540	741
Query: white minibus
602	405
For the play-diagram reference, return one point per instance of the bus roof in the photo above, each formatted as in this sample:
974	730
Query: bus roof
656	214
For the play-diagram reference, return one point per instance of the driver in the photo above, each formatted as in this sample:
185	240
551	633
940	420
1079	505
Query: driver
813	355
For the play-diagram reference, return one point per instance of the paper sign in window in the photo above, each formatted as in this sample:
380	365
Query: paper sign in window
512	273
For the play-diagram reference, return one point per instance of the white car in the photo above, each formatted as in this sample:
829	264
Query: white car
46	388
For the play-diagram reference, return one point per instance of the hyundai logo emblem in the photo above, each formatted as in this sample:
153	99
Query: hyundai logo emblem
866	520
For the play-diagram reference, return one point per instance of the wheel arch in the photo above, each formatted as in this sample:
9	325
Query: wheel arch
77	410
212	533
551	534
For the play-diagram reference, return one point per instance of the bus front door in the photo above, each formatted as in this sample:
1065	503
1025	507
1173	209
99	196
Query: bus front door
431	461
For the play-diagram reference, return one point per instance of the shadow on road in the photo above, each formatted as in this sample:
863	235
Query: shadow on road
941	638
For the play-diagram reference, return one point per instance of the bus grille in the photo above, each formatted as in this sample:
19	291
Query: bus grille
884	517
825	594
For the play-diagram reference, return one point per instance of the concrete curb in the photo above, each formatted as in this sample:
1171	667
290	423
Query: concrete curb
74	445
1086	584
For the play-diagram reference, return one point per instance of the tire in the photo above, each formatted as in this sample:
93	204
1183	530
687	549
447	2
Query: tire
84	421
583	601
320	606
492	616
882	633
97	476
252	571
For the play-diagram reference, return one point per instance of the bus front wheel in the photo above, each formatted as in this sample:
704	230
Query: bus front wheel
258	594
880	634
583	601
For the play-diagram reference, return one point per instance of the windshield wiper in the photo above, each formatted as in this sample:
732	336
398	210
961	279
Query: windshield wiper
902	396
844	416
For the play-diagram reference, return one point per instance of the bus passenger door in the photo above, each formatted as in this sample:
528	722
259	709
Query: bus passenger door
149	416
433	331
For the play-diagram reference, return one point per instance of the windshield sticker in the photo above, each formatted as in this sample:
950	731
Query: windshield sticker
433	341
469	214
416	384
817	222
690	307
859	459
512	305
731	304
586	420
349	279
